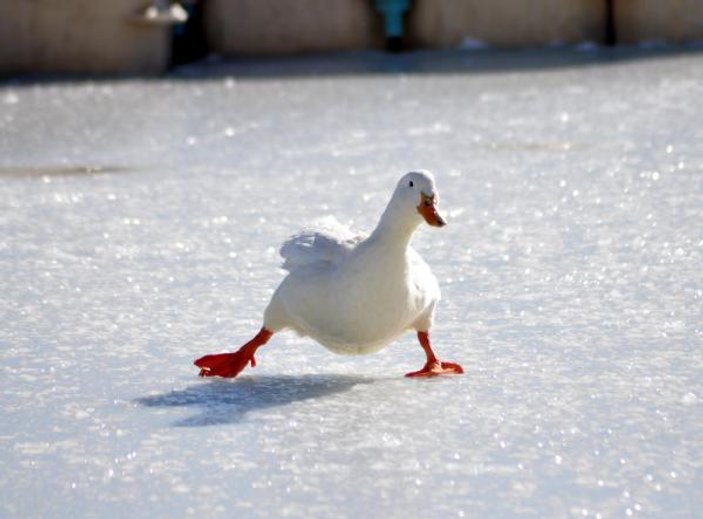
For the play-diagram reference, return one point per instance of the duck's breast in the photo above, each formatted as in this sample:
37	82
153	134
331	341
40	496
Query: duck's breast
360	305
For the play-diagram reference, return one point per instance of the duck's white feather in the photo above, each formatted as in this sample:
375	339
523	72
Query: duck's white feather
327	242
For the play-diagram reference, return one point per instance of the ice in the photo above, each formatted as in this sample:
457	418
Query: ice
140	221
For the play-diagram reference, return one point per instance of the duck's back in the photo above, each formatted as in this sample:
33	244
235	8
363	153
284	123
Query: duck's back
324	244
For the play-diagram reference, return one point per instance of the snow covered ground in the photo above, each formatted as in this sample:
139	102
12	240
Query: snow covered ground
139	227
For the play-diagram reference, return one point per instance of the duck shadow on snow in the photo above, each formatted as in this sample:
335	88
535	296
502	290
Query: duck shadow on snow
227	401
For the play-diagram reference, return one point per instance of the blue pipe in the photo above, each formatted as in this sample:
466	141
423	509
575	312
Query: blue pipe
392	12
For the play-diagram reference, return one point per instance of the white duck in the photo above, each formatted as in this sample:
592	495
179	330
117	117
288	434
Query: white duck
355	294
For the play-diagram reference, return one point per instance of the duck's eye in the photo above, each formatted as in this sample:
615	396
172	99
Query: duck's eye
411	183
428	203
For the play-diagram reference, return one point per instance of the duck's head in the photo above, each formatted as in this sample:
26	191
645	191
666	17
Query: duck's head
417	192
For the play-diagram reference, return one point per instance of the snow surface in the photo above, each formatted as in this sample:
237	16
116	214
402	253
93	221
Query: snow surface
140	221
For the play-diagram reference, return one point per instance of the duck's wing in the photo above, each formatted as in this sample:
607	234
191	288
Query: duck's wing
327	242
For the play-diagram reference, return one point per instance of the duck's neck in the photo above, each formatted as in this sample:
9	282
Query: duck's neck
393	231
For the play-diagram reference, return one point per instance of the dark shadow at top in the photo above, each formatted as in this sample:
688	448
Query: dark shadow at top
424	62
228	401
361	63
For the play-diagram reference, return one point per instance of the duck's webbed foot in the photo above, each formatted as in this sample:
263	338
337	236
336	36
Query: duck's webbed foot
229	365
226	365
433	367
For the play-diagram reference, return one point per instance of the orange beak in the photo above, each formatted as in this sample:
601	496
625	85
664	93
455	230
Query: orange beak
428	210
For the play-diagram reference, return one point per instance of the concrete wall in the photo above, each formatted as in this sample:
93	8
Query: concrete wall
669	20
80	36
236	27
99	36
505	23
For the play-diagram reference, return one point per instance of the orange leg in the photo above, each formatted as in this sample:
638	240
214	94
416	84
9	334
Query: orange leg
231	364
433	367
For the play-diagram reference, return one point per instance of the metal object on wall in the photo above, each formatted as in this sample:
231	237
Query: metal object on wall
393	12
161	12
